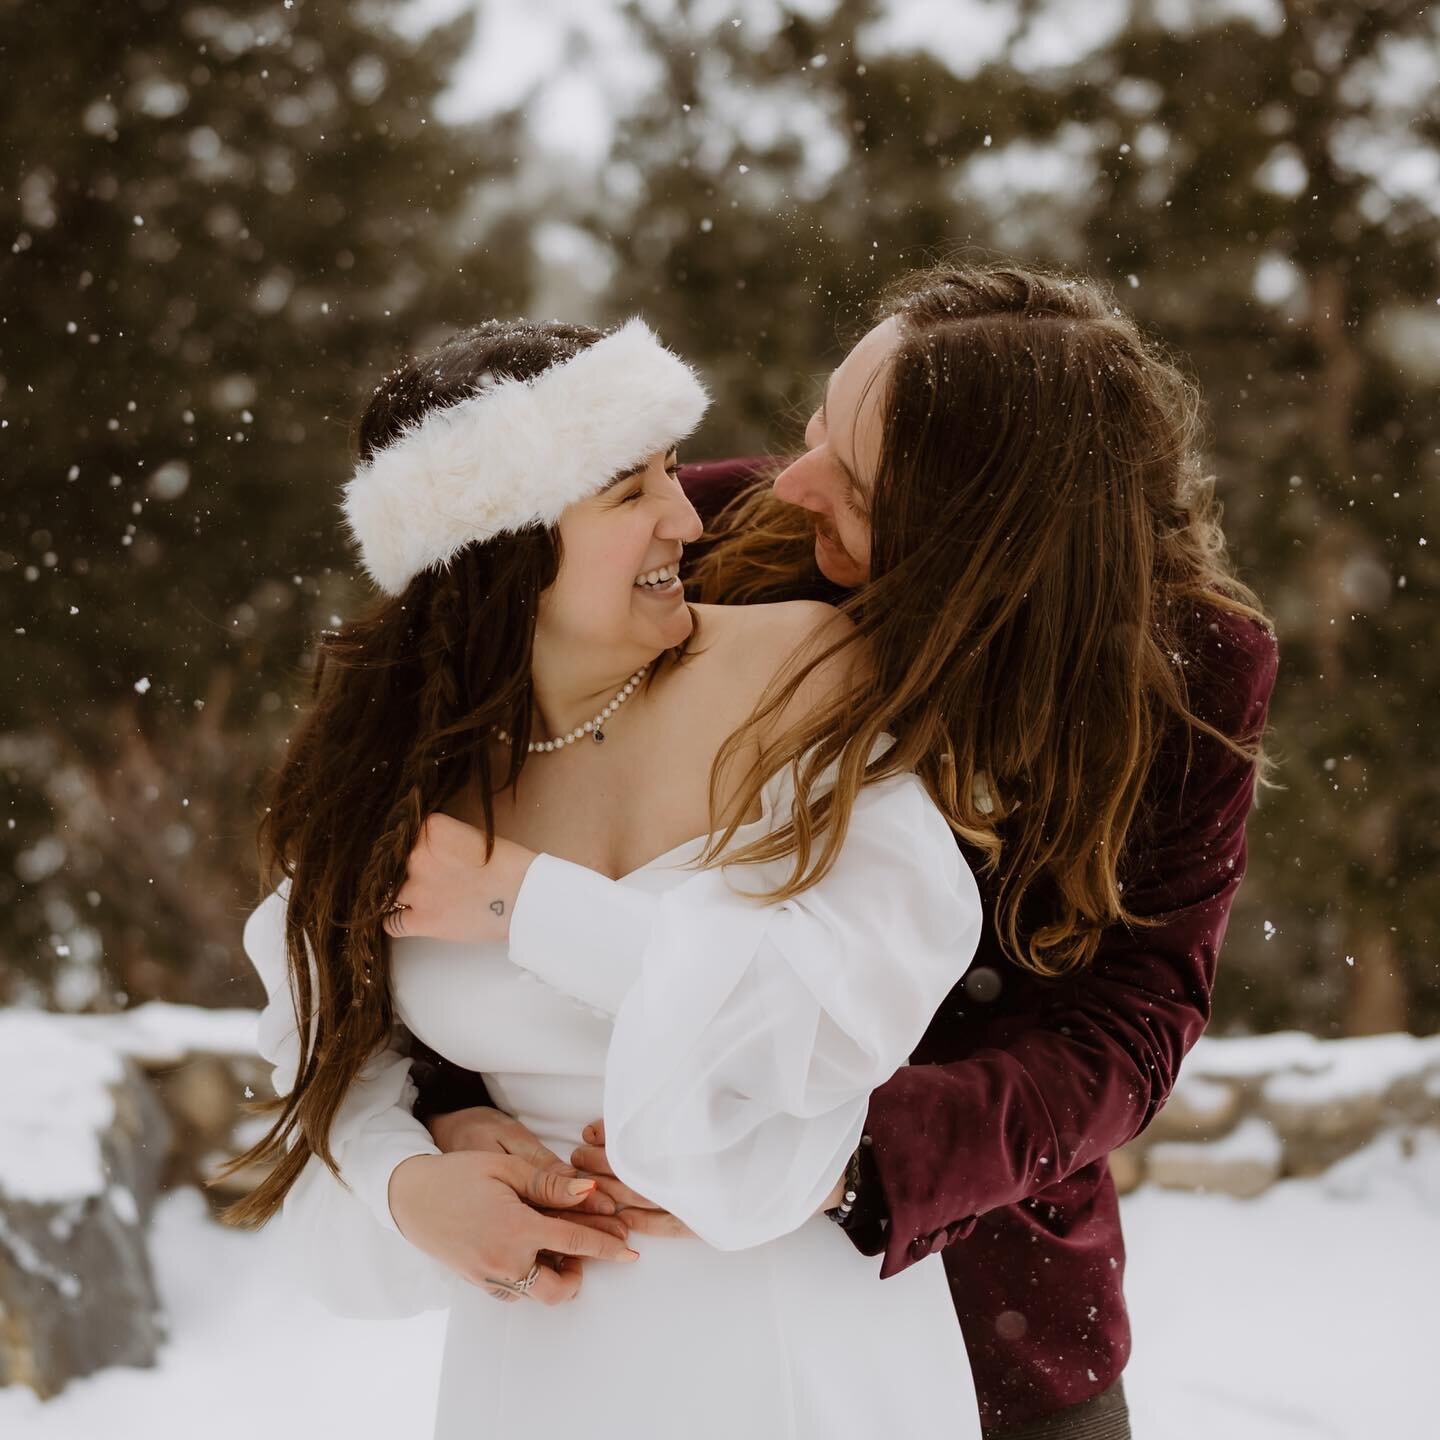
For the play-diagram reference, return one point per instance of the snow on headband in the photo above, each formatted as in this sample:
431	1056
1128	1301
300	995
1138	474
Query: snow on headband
517	452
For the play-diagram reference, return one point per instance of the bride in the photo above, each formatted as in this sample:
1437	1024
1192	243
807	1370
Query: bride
708	908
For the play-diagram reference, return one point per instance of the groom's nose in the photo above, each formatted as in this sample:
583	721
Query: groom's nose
805	483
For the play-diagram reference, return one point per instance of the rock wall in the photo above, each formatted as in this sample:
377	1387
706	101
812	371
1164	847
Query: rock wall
1249	1111
97	1114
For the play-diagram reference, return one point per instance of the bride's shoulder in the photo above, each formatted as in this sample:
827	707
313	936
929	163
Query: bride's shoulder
774	631
752	644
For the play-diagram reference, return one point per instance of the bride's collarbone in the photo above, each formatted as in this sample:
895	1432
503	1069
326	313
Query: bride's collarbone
616	807
644	792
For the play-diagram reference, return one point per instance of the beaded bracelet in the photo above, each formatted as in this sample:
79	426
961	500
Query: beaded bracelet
841	1213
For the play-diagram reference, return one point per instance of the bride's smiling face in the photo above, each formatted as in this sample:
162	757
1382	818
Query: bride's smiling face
608	593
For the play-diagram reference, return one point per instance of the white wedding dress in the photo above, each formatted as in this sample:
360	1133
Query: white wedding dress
731	1048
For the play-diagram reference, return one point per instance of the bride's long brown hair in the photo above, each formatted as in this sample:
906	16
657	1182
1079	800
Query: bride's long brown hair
403	697
1045	545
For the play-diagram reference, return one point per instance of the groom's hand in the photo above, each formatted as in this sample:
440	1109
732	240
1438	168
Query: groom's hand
482	1127
634	1209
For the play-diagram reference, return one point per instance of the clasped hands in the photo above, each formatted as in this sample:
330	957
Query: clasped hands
496	1198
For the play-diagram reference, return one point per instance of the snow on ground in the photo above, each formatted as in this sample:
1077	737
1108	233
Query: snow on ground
1308	1314
1294	1316
247	1356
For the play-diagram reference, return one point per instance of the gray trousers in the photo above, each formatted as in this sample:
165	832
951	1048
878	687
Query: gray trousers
1104	1417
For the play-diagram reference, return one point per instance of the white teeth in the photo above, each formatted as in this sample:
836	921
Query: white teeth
657	577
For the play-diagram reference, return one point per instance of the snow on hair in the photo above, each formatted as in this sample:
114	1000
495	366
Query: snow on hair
518	452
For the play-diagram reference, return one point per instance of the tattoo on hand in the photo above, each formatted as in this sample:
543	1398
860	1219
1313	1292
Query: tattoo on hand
498	907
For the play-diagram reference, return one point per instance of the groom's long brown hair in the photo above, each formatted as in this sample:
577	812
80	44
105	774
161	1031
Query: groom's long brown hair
1045	550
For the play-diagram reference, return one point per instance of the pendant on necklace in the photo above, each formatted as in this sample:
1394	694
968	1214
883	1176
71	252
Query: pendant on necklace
598	735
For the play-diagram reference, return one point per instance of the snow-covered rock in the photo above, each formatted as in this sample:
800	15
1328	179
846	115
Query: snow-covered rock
1198	1109
83	1141
1292	1064
204	1068
156	1034
1290	1104
1333	1101
1245	1163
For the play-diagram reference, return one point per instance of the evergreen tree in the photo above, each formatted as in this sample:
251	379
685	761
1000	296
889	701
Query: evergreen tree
220	222
243	212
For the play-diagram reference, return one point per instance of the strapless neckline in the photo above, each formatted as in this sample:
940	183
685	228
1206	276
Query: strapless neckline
766	810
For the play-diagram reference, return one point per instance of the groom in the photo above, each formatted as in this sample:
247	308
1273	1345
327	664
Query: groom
991	1145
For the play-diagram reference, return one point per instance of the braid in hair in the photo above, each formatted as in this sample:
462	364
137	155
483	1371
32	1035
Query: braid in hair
435	768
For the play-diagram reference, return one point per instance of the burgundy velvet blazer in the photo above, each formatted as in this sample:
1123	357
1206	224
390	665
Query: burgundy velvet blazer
991	1144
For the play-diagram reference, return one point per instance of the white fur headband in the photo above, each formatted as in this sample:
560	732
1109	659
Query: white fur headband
517	452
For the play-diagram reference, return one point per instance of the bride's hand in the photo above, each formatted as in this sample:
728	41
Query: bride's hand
451	892
475	1212
635	1210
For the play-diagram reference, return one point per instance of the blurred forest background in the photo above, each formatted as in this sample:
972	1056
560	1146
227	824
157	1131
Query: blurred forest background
221	221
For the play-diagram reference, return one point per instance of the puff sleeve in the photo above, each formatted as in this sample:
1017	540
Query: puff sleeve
748	1037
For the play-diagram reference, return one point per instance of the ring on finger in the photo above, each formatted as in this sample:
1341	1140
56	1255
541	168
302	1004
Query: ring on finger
516	1287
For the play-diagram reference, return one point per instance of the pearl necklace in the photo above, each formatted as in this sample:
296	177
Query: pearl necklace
592	728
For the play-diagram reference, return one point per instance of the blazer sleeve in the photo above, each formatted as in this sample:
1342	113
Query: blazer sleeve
748	1036
1089	1069
339	1235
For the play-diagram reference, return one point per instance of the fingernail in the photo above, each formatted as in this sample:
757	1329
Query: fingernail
632	1254
580	1187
